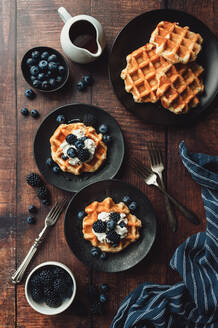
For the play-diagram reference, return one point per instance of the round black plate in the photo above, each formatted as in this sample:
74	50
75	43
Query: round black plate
131	255
135	34
67	181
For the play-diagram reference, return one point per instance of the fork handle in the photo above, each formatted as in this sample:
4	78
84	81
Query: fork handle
192	217
18	274
171	217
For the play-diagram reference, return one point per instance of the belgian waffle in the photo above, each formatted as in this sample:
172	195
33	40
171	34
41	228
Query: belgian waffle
58	138
140	73
175	43
179	86
108	205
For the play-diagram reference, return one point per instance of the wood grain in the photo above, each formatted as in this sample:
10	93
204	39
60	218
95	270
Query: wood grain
25	24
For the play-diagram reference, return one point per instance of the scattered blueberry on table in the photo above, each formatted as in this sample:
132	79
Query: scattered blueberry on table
97	298
81	86
30	220
32	209
29	93
34	113
88	80
24	111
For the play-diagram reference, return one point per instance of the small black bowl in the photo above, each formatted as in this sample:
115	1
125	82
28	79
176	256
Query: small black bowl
60	58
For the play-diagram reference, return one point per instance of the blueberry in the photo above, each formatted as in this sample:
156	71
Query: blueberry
44	55
30	220
111	224
71	152
81	86
37	84
103	128
29	93
104	287
122	224
95	252
52	82
61	69
59	79
103	256
88	80
52	66
64	157
81	214
41	76
127	199
60	119
133	206
56	169
34	70
34	113
49	162
43	64
35	54
24	111
30	62
45	85
46	202
52	58
103	298
33	78
79	144
107	138
48	74
32	209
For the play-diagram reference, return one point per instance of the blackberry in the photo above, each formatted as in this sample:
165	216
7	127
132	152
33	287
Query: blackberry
46	277
113	236
34	180
60	286
83	154
53	300
115	216
59	273
35	281
89	120
37	294
71	139
99	226
43	193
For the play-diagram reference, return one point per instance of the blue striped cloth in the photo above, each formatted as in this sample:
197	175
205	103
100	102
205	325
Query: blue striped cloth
193	302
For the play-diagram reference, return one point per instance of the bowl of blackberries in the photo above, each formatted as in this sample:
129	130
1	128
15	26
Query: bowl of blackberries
50	288
45	69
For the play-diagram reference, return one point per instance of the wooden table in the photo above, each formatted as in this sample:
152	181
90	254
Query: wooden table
25	24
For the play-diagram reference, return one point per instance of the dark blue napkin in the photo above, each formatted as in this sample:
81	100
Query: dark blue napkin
192	303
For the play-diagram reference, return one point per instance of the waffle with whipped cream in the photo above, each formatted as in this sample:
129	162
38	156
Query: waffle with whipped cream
110	226
77	148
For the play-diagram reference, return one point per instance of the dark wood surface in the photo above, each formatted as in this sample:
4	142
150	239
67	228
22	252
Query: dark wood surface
23	25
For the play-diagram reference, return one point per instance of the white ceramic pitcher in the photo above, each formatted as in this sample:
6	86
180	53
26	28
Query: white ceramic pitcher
76	53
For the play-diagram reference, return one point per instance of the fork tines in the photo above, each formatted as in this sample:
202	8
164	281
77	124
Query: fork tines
139	168
56	210
154	152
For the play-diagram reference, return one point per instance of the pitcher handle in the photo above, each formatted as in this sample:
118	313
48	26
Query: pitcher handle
64	15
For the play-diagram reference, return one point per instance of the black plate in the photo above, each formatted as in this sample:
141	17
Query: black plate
134	35
67	181
131	255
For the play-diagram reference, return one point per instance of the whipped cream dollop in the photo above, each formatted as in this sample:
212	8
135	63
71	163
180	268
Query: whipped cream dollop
88	144
121	231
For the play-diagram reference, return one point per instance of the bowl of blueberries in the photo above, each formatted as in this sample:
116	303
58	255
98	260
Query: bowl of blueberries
50	288
45	69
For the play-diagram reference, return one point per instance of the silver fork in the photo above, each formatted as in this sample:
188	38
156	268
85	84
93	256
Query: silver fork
50	221
156	163
151	178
